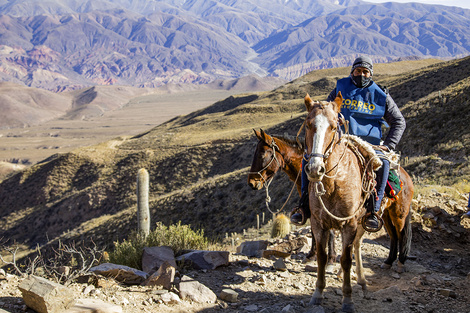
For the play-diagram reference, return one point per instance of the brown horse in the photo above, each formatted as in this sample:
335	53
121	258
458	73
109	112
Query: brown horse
274	153
337	196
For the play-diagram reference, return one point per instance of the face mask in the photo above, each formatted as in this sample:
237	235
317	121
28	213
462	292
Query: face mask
361	81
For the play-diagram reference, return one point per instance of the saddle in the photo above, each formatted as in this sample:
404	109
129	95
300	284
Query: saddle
366	154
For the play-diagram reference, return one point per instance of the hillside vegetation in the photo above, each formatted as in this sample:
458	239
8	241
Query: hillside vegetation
198	163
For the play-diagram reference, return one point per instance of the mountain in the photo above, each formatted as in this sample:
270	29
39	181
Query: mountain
71	44
198	162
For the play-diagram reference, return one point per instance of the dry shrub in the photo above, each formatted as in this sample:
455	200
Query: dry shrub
178	237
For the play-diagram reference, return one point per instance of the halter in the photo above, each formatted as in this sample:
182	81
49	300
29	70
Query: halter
328	149
273	146
266	184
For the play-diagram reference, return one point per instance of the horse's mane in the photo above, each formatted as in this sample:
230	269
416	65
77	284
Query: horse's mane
292	141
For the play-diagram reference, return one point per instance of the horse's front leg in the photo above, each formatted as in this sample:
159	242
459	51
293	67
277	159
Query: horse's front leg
361	278
321	238
349	236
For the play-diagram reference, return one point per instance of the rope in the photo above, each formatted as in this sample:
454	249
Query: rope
320	193
268	198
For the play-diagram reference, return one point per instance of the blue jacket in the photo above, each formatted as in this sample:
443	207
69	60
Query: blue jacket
364	108
368	121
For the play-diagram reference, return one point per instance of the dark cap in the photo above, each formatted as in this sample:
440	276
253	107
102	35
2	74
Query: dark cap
363	61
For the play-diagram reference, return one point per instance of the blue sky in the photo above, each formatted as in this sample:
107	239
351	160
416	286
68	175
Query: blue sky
457	3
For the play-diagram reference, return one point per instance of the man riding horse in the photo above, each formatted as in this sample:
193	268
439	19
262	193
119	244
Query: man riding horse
366	106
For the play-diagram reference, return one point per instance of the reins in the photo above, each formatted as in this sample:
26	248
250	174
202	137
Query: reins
268	198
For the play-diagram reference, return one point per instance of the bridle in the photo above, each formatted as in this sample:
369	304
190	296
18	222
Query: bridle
273	147
266	183
319	188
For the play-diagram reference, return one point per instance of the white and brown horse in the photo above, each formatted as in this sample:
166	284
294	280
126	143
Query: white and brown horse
337	198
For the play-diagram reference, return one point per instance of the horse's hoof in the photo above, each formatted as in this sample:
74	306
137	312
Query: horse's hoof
315	301
400	267
348	307
385	266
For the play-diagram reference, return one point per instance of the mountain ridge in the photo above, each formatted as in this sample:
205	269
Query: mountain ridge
150	44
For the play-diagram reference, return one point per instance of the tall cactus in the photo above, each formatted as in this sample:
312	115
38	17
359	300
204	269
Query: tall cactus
143	213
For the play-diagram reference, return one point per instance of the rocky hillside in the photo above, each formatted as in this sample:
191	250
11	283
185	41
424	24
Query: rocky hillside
66	45
198	163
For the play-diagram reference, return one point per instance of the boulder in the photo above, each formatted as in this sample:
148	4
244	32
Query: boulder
154	257
121	273
164	277
45	296
253	248
209	260
195	291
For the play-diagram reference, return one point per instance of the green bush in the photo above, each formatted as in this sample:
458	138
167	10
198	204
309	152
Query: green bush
178	237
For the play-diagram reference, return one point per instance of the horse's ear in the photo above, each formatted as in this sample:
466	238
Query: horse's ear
308	102
338	102
266	138
258	134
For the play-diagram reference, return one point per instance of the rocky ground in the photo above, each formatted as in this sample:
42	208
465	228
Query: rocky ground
437	277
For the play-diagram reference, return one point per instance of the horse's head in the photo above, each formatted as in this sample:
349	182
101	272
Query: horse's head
266	162
320	133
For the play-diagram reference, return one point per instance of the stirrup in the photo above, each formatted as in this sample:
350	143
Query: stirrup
301	212
372	230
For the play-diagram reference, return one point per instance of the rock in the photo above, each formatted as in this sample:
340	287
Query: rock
165	276
288	309
88	289
121	273
195	291
391	292
3	275
228	295
170	298
292	246
64	270
395	275
103	282
253	248
280	265
311	268
279	254
260	280
251	308
154	257
447	293
205	259
45	296
93	306
316	309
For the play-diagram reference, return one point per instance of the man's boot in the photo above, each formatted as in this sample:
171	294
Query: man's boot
371	222
301	213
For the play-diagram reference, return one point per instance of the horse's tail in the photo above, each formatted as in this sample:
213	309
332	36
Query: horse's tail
406	234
